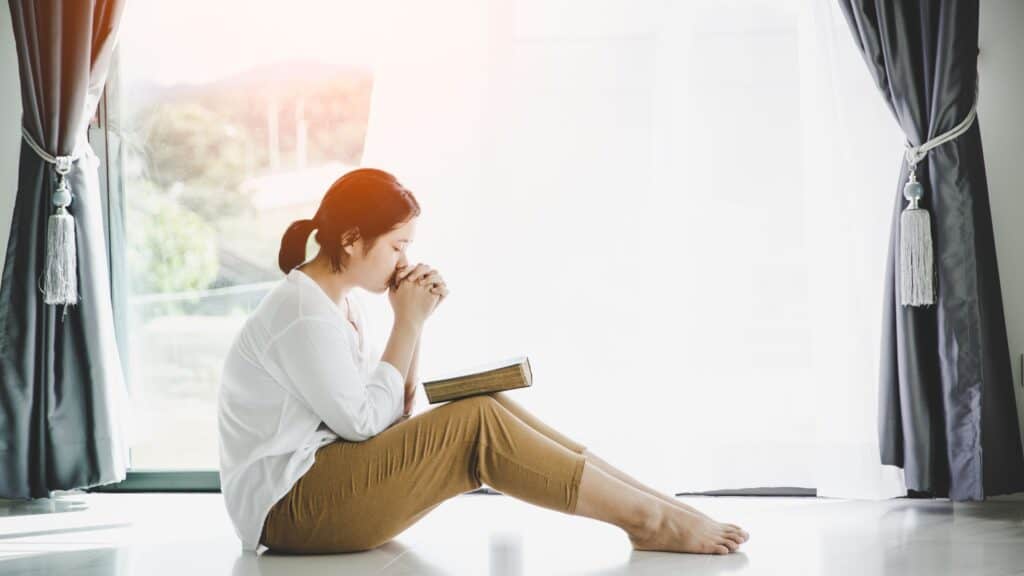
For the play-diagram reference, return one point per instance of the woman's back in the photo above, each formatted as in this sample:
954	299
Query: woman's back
294	379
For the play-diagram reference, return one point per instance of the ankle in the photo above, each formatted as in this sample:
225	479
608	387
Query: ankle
648	522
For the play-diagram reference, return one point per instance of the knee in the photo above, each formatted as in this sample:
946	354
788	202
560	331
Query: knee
479	400
478	403
478	411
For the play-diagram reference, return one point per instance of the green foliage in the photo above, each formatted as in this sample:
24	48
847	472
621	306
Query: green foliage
190	150
170	248
198	152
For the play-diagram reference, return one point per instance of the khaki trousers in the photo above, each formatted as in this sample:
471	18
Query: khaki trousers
359	495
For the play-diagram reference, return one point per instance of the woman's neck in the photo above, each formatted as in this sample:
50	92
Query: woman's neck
332	283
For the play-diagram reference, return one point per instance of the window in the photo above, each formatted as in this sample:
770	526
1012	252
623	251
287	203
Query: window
662	204
224	141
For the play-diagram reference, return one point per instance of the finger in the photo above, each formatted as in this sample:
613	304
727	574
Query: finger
402	274
432	277
412	269
402	277
431	280
405	272
417	275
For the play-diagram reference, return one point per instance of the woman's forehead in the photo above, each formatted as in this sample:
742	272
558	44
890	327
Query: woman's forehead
406	231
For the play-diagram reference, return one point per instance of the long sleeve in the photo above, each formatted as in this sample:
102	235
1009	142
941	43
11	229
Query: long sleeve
317	359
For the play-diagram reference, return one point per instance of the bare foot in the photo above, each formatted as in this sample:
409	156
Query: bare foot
724	525
675	530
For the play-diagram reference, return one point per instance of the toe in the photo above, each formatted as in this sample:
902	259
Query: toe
734	537
742	532
737	533
731	545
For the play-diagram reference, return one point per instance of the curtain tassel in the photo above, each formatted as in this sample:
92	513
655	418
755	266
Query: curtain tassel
60	265
60	276
917	278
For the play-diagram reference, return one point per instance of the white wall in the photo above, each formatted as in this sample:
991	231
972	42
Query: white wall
1002	130
1001	117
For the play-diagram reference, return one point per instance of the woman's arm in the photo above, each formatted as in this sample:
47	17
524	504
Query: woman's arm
401	345
412	380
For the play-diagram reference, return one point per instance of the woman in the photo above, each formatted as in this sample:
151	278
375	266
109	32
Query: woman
319	450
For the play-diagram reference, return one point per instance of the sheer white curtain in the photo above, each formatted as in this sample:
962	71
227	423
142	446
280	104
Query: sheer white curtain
678	210
852	148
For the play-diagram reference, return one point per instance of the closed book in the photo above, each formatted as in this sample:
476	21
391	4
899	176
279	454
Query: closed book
495	376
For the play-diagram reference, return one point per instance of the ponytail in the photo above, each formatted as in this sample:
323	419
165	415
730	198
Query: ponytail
293	244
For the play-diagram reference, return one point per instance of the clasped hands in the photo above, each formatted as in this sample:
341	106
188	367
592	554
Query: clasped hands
422	275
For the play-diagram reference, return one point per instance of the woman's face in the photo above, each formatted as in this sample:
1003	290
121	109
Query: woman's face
375	270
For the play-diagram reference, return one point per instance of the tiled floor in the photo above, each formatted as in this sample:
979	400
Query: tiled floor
479	534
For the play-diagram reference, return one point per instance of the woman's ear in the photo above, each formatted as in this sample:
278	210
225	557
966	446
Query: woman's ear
350	240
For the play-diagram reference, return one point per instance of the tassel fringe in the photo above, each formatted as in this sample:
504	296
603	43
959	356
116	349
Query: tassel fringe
60	271
917	274
60	281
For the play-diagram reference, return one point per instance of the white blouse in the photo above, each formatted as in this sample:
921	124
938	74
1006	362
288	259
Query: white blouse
297	376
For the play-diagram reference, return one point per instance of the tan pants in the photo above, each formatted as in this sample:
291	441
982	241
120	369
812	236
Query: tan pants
359	495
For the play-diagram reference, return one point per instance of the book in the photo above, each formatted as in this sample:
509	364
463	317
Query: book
495	376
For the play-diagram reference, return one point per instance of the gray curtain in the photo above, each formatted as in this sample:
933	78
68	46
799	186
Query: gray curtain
62	388
947	413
